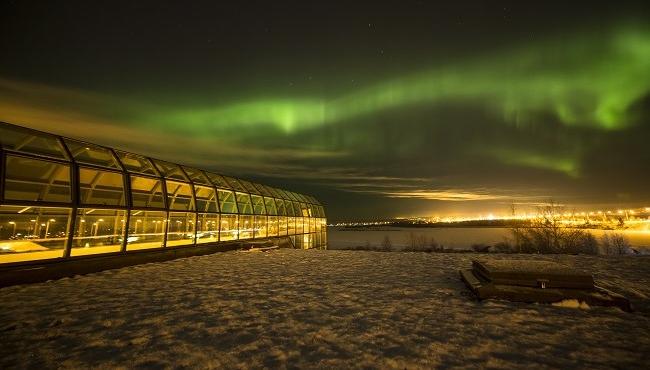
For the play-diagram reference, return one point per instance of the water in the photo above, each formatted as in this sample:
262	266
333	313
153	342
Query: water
452	237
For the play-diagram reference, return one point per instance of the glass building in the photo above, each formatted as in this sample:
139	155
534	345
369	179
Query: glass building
63	200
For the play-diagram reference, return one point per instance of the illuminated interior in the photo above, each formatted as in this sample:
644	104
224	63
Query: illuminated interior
65	198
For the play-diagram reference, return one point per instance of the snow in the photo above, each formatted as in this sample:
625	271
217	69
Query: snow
318	308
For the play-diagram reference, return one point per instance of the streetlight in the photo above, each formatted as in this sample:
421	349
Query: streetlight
47	226
96	225
32	227
13	223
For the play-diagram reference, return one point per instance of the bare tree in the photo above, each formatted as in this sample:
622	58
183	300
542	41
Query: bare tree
547	234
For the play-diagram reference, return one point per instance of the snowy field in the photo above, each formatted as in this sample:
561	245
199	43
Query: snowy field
316	309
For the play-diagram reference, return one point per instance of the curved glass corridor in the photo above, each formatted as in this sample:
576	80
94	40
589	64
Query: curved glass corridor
64	198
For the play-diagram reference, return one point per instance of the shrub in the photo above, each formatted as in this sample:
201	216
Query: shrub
480	248
615	244
503	247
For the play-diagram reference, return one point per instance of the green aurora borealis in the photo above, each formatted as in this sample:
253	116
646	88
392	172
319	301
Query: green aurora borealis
585	80
563	115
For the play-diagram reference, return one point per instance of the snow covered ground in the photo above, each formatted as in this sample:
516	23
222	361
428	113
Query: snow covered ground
316	308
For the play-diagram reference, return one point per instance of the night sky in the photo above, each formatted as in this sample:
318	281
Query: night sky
379	110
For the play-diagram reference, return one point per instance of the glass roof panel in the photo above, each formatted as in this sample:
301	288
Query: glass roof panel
311	199
263	190
249	187
196	175
218	180
280	207
296	209
258	205
283	194
270	206
91	154
289	208
170	170
272	192
136	163
27	141
293	195
235	184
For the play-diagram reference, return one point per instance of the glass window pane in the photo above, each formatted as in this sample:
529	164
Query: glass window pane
179	196
245	227
180	228
312	224
196	176
218	180
146	230
27	141
314	210
296	208
32	233
260	227
207	228
227	202
229	227
244	203
289	207
300	225
170	170
292	225
98	231
36	180
316	237
146	192
206	199
307	241
235	184
305	211
282	211
311	209
272	224
321	210
101	187
283	225
91	154
258	205
270	206
137	163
